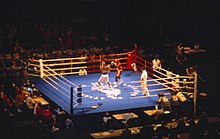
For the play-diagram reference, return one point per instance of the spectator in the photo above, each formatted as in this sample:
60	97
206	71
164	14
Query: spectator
69	123
203	122
191	71
134	67
162	131
20	101
196	45
7	104
126	133
30	102
36	92
173	128
147	132
48	118
181	126
82	71
37	111
156	64
181	97
181	56
164	102
127	116
107	121
174	102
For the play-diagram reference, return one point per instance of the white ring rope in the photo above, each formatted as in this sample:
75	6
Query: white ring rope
150	85
34	60
164	85
63	64
57	77
60	81
190	77
149	80
160	73
61	76
183	82
71	68
156	80
160	68
34	70
57	83
62	59
34	65
56	88
36	75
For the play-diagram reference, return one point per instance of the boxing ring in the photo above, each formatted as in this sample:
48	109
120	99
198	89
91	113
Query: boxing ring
59	80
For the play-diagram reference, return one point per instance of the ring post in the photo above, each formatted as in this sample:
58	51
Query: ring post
41	68
71	100
135	51
195	92
79	93
129	61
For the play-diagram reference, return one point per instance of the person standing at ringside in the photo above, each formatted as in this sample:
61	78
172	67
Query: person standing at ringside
143	82
156	65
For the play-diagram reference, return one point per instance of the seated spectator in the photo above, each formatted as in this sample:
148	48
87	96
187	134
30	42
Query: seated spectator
156	63
183	105
191	71
192	124
174	102
164	102
82	71
36	92
37	112
47	117
147	132
18	90
157	113
134	67
181	128
173	128
8	105
203	121
127	117
30	102
62	72
107	121
126	133
19	101
11	91
181	97
162	131
69	123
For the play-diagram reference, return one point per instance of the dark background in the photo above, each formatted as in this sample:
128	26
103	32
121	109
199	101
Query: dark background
149	23
146	22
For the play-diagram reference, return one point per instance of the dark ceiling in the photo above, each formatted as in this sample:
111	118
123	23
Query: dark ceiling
149	22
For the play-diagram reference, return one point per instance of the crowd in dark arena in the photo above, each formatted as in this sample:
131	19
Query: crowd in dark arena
54	29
